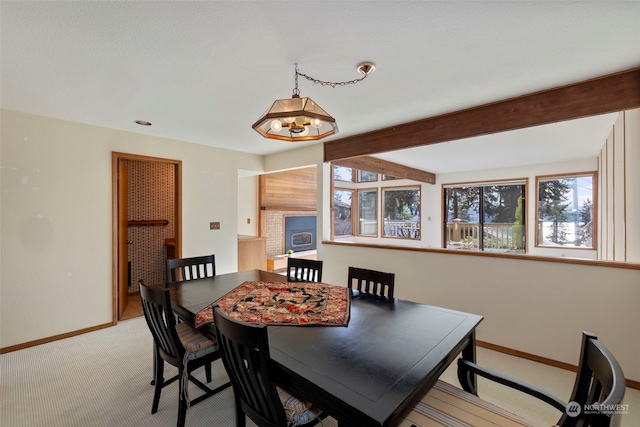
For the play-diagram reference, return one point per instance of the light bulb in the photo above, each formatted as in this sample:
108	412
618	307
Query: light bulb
289	119
276	126
316	123
305	132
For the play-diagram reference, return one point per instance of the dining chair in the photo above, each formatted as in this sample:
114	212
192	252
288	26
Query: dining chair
304	270
244	350
595	401
179	345
184	269
371	282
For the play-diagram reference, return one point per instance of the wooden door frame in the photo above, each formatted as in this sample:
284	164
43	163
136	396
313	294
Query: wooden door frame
115	157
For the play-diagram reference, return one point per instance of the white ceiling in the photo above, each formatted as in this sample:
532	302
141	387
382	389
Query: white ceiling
204	71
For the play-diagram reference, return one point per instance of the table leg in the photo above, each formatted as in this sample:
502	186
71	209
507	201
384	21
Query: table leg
467	379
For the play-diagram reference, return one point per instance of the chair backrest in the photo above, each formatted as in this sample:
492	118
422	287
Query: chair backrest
372	282
244	349
600	380
304	270
184	269
156	305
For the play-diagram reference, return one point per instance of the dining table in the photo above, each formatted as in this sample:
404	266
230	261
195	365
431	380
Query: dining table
369	373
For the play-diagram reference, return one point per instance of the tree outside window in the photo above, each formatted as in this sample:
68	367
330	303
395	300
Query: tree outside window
401	211
565	211
487	217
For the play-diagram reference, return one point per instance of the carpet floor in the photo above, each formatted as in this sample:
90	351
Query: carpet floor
102	379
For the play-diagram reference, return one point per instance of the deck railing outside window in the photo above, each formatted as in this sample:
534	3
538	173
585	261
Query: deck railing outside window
467	235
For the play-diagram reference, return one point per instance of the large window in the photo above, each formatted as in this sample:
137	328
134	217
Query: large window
401	212
489	217
368	212
566	213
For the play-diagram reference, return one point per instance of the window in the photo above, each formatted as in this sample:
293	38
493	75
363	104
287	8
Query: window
366	176
342	219
341	173
401	212
362	198
488	217
368	212
566	211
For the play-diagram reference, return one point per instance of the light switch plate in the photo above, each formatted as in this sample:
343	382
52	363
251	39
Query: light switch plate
214	226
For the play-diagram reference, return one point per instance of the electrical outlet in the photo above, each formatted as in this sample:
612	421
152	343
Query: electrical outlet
214	226
248	220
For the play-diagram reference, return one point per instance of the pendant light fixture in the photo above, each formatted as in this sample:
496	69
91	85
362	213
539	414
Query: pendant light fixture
300	118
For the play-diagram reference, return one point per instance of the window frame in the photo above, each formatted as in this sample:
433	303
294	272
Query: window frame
359	180
416	186
498	182
594	209
353	174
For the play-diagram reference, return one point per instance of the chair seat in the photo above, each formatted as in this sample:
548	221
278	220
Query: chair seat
299	412
195	342
453	407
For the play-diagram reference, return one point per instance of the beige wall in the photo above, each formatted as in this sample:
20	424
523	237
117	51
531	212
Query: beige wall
248	205
56	201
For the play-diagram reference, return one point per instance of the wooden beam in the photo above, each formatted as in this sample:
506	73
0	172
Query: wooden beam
373	164
606	94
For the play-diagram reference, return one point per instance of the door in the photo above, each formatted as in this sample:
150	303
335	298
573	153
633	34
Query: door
123	227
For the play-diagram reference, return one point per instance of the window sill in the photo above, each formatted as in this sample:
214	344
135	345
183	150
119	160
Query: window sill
565	260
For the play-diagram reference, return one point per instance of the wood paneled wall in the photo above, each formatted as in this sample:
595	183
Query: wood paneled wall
619	179
289	190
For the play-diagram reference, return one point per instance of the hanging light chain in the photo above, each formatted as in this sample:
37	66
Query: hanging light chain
323	83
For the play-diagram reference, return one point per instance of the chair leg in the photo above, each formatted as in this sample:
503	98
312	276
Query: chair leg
155	361
182	413
159	379
241	419
207	370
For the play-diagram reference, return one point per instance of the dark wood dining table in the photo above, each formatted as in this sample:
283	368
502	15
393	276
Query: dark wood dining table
369	373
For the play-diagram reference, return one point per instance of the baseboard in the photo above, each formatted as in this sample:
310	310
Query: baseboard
53	338
544	360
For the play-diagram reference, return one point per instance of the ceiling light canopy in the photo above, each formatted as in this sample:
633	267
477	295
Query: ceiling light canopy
300	118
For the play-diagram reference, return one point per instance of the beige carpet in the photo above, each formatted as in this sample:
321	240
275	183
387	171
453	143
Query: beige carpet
102	379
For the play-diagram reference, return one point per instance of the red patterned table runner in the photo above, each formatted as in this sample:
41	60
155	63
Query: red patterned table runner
283	303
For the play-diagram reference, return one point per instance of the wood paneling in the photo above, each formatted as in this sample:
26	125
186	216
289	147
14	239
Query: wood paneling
384	167
606	94
290	190
252	253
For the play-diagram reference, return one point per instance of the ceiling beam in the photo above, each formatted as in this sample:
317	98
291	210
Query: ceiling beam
373	164
606	94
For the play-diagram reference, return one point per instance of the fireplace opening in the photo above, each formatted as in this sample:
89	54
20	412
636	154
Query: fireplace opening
299	233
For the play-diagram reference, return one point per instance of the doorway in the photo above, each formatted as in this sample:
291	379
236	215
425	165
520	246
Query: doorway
143	222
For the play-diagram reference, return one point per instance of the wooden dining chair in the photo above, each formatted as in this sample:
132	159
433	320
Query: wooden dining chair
304	270
372	282
179	345
245	353
597	393
184	269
